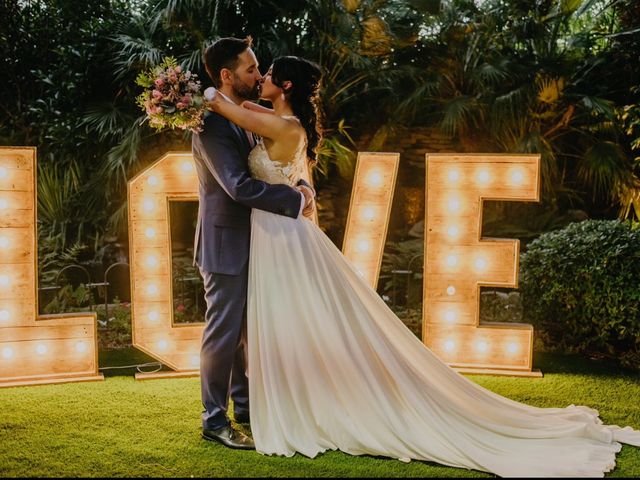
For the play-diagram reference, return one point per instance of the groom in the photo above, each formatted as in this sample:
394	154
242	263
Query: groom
226	196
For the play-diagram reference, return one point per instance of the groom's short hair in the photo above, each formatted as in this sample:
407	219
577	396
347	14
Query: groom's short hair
224	54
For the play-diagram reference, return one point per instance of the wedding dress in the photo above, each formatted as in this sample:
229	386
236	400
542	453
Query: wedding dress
331	367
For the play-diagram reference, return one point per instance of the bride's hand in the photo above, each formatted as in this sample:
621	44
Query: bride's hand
211	98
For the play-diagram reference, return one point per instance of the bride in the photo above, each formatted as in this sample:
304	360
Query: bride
330	365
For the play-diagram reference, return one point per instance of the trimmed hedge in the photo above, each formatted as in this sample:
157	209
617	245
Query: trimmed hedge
580	288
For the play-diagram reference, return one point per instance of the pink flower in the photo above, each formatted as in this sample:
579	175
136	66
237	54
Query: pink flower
156	94
186	99
180	105
159	110
178	69
159	82
180	308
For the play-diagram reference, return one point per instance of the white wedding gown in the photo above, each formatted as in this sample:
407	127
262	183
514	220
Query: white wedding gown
332	368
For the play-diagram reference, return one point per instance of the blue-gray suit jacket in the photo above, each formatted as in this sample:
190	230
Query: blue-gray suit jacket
227	194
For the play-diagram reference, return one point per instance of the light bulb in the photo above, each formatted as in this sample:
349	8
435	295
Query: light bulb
481	264
449	345
7	352
153	180
4	204
4	280
163	344
482	346
369	214
375	179
152	261
4	315
452	260
450	316
41	349
81	347
453	175
451	290
512	347
364	245
4	242
150	232
483	177
148	205
195	360
4	173
453	205
152	289
517	176
186	167
453	231
153	316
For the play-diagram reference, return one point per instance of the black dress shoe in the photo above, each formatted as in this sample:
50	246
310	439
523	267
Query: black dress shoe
242	418
229	437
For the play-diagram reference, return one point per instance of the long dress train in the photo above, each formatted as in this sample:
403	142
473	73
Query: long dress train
331	367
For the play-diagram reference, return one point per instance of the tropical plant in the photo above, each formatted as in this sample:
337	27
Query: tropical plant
527	77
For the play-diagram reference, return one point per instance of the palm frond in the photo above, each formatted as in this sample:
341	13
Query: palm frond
457	114
604	169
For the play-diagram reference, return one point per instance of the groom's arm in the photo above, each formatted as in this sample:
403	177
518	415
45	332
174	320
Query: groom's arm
219	151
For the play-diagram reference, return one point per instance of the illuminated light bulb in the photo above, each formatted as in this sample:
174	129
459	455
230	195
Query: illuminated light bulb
452	260
453	231
364	245
153	180
7	352
81	347
152	261
454	205
482	346
4	280
41	349
449	345
517	176
4	204
150	232
186	167
451	290
481	264
195	360
375	179
4	315
152	289
4	242
450	316
163	344
153	316
453	176
369	213
483	177
148	205
512	348
4	173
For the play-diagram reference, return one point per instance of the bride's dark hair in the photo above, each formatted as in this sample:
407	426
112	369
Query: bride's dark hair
303	95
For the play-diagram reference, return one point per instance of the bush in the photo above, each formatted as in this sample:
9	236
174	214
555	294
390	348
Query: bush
579	288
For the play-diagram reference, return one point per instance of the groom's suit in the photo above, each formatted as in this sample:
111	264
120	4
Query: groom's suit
226	196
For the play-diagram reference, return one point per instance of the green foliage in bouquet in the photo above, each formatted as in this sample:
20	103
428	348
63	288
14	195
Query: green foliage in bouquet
579	287
171	97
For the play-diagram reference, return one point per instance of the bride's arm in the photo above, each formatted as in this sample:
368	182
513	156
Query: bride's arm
264	124
249	105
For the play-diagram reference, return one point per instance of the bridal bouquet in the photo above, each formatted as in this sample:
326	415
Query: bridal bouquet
171	97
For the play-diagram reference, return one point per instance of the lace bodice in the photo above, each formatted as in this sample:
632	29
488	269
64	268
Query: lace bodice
274	171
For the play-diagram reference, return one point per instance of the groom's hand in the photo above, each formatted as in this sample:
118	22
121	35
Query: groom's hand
309	202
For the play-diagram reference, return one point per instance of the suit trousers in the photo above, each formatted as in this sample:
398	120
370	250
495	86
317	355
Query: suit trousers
223	362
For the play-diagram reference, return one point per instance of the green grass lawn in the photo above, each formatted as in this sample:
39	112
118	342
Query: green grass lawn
127	428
